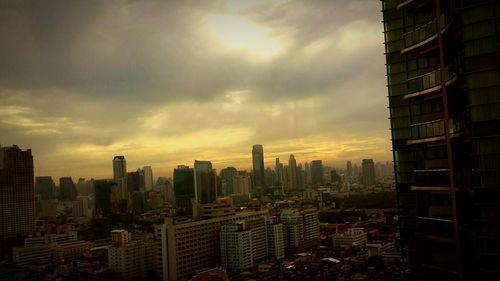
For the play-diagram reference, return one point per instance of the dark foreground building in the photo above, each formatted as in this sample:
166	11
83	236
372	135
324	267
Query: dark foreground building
443	81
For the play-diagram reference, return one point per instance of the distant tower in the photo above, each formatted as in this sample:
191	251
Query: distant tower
148	178
17	192
204	181
227	175
67	189
280	174
368	168
45	187
292	176
120	174
258	169
349	169
184	189
317	172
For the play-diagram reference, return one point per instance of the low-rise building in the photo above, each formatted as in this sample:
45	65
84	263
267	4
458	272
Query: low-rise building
355	237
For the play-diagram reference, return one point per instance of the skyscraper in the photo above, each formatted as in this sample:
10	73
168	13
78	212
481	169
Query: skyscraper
292	173
67	189
317	172
227	176
444	98
45	187
205	182
368	168
148	178
280	173
120	174
184	189
348	170
17	192
258	169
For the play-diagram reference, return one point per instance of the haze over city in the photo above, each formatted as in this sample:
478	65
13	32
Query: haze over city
168	82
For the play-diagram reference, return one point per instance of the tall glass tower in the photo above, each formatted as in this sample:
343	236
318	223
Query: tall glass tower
258	169
444	96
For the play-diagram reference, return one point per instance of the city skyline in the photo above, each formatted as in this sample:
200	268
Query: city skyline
167	83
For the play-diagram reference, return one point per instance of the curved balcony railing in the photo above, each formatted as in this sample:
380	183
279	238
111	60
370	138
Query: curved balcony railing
408	3
433	130
428	82
435	177
425	33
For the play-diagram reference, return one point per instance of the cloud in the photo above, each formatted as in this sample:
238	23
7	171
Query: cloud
167	82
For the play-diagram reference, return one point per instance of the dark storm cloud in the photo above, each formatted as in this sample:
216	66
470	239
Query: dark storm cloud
83	80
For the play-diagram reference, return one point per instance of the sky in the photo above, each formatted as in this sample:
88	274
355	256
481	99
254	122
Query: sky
167	82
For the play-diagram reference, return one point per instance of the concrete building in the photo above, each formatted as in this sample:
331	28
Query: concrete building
242	183
51	246
353	237
293	229
300	229
193	246
132	259
276	243
236	246
17	192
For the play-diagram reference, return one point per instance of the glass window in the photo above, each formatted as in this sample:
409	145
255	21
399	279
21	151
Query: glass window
480	29
480	46
483	79
477	13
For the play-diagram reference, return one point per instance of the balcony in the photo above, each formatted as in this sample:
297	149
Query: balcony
430	82
412	3
433	131
424	34
431	180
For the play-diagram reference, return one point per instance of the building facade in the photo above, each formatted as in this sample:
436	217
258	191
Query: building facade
368	170
444	98
17	192
193	246
258	169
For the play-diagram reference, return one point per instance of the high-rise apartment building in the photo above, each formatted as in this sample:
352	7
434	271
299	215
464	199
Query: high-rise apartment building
131	258
193	246
236	246
368	169
300	229
275	240
242	183
17	192
258	169
317	172
444	97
